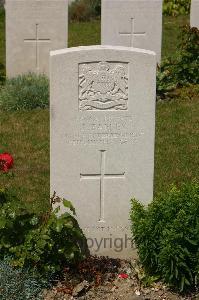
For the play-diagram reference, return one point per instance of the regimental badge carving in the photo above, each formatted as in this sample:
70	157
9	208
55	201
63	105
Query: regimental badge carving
103	86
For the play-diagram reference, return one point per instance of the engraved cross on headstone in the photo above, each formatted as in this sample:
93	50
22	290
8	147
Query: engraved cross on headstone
102	176
37	41
133	33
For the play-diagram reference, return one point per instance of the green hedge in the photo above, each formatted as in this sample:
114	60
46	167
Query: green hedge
182	69
176	7
166	234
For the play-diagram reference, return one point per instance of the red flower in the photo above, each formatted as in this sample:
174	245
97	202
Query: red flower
6	162
123	276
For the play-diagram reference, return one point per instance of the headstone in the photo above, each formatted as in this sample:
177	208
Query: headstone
132	23
33	28
195	13
102	138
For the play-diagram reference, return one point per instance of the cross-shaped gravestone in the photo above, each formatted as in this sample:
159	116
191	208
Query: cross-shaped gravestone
37	42
101	176
133	33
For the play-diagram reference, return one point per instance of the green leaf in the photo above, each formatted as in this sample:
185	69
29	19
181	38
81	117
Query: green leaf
59	225
69	205
194	243
34	221
57	209
182	283
2	223
187	282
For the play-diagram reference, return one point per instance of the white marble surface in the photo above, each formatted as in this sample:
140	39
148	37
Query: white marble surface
102	138
194	13
33	28
132	23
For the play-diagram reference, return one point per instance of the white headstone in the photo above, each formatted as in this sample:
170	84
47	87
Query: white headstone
195	13
102	138
132	23
33	28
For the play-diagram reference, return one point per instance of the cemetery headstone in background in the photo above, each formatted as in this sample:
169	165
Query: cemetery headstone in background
102	138
194	13
33	28
133	23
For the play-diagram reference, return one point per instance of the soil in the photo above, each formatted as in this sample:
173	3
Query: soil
110	279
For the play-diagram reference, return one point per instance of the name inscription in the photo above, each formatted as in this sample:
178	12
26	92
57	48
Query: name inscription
104	130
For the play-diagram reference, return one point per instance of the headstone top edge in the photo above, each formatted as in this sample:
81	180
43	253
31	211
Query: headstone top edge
101	47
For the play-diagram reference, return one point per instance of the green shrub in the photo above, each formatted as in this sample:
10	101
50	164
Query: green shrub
20	284
176	7
165	82
84	10
166	234
187	64
48	241
25	92
183	68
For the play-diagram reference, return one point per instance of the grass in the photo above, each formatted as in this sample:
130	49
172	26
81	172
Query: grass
177	140
171	33
26	134
83	34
